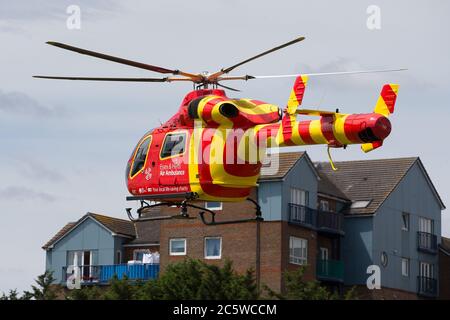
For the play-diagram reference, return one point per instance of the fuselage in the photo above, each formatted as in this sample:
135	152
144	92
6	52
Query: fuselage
214	146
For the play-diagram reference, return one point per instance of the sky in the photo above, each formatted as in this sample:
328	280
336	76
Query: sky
64	145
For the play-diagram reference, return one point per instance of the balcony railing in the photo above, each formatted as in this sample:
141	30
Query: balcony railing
301	215
426	242
426	286
330	270
323	221
102	274
330	222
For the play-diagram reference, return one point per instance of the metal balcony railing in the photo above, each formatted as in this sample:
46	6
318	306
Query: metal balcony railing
426	242
323	221
426	286
330	222
330	270
102	274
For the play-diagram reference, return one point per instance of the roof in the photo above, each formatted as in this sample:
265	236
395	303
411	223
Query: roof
445	245
286	161
147	232
327	188
117	226
59	234
372	180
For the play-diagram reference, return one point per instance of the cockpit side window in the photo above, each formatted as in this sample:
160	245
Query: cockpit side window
141	156
174	144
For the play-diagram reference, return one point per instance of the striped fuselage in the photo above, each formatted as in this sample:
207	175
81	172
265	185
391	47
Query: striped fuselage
225	142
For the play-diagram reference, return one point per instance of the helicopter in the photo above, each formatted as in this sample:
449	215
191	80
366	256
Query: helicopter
213	147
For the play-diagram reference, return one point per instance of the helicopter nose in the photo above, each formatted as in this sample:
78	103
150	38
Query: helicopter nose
381	128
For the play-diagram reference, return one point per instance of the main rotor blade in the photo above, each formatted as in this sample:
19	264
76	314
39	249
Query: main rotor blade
247	77
106	79
122	61
214	76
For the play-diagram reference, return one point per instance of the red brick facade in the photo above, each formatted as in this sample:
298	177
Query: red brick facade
239	243
444	274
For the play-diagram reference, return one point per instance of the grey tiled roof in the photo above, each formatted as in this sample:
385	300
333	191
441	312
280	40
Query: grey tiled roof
445	244
372	180
328	188
59	234
286	160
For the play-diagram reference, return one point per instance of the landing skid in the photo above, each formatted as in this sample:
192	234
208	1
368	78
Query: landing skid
184	205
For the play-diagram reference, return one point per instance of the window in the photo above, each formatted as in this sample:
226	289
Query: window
174	144
405	221
141	156
426	270
405	267
426	225
213	205
138	254
324	205
213	247
177	247
323	253
118	257
359	204
299	197
384	259
298	250
83	260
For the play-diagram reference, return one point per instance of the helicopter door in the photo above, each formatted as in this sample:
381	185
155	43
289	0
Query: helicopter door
172	160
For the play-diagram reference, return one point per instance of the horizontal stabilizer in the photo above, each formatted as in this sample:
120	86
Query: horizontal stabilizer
367	147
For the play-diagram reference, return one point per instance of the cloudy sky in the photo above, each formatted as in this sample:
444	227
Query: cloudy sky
64	145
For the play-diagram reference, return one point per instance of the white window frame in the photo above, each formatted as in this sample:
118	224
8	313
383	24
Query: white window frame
214	208
220	249
426	225
177	253
324	253
301	260
299	197
144	251
324	205
426	270
405	214
405	267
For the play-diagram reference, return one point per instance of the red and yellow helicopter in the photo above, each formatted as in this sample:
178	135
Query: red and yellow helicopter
213	148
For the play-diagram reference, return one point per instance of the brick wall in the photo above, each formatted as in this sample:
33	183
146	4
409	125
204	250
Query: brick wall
444	276
239	242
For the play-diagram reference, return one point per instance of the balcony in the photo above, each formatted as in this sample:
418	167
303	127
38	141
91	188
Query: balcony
104	273
330	270
322	221
330	222
427	242
426	287
302	215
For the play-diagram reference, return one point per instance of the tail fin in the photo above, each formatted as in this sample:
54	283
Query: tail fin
297	92
386	101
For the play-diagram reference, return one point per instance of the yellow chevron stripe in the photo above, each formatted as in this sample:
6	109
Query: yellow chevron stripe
339	129
315	130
